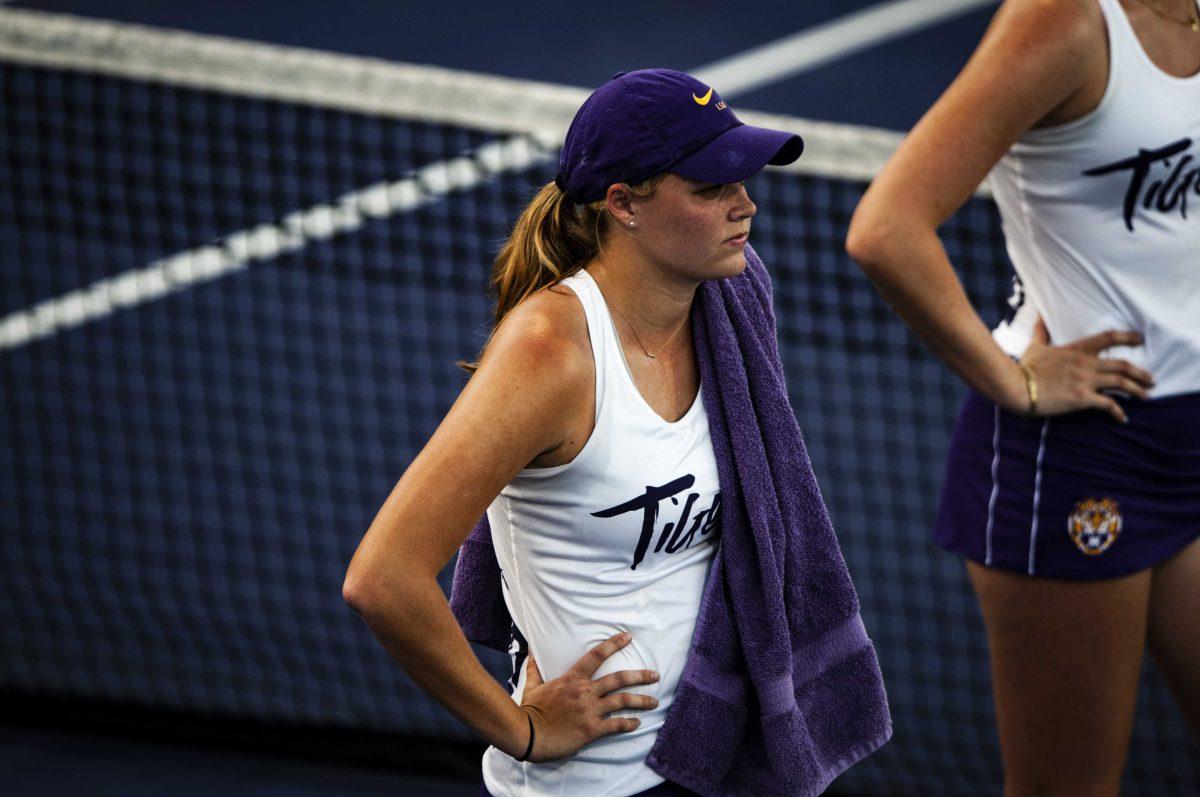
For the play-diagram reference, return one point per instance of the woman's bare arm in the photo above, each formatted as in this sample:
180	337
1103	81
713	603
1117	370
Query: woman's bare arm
514	407
1037	62
517	405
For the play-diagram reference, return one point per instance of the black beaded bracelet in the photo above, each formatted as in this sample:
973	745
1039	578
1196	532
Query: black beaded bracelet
525	756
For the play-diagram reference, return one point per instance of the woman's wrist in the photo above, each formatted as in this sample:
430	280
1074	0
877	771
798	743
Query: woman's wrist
516	738
1031	388
1012	392
532	738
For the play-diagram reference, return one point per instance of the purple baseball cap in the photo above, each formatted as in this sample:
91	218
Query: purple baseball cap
641	123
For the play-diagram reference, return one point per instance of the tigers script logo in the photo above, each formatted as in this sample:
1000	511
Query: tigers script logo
673	537
1155	182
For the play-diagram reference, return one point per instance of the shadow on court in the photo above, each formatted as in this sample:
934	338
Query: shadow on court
49	763
52	746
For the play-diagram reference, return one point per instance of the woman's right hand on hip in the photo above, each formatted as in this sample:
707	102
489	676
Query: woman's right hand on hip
1072	377
568	712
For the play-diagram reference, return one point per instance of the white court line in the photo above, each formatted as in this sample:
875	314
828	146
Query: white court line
267	241
332	80
827	42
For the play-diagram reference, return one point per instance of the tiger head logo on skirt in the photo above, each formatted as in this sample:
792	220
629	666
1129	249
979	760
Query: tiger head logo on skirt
1094	525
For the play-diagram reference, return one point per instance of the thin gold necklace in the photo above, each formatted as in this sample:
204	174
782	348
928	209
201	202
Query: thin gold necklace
1191	21
635	332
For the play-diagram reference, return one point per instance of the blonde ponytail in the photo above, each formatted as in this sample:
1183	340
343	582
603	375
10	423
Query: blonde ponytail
552	240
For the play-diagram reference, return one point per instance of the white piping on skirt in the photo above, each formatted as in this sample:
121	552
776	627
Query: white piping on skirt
995	485
1037	494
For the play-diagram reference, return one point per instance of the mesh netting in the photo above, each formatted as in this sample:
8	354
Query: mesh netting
187	470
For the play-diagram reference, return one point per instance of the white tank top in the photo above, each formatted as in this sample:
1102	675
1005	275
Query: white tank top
1102	218
620	538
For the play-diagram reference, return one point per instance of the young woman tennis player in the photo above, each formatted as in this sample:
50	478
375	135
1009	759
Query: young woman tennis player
1073	482
586	392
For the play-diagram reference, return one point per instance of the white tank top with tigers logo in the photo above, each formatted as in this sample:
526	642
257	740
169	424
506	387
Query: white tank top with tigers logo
1102	218
619	539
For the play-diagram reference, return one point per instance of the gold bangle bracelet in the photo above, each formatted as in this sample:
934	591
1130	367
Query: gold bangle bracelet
1030	386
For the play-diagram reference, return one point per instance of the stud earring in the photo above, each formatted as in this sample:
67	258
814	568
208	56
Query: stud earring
633	224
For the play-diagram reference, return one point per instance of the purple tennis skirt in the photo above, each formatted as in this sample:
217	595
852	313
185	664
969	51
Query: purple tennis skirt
1077	496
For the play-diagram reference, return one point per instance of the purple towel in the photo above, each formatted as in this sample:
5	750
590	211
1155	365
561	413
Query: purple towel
781	691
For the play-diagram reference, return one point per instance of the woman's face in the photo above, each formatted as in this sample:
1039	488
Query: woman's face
696	230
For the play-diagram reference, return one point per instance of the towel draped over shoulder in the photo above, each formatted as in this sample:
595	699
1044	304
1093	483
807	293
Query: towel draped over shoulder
781	691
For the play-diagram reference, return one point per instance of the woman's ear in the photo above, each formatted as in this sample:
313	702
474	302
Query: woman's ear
620	206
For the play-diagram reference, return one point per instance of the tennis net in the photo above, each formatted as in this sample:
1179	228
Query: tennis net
235	279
